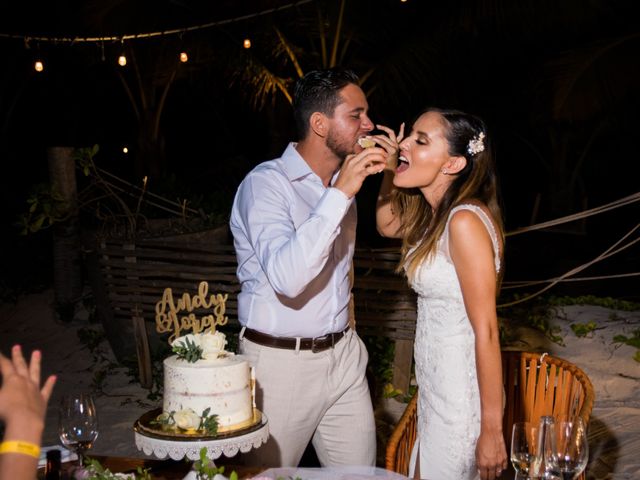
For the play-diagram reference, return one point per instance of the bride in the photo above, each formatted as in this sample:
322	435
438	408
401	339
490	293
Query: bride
439	195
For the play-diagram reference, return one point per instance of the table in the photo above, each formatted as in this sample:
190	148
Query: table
163	469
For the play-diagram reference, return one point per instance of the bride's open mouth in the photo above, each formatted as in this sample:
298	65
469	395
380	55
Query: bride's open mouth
403	164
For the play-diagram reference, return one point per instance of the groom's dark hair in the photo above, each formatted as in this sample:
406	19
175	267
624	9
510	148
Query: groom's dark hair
319	91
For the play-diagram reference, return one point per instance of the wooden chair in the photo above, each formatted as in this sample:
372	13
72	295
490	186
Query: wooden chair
534	384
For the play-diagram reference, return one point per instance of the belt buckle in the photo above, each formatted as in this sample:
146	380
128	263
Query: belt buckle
316	349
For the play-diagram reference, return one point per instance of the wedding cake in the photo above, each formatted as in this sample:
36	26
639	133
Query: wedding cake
205	387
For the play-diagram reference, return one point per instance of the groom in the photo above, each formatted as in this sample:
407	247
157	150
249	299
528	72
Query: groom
293	223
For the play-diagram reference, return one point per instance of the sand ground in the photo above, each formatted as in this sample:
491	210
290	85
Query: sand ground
614	431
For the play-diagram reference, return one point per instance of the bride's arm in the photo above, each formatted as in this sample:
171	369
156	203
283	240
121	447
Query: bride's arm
387	222
472	254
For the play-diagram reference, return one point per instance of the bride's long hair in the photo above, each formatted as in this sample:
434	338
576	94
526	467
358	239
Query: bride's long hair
421	226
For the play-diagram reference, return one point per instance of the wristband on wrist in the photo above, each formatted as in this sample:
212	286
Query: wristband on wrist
18	446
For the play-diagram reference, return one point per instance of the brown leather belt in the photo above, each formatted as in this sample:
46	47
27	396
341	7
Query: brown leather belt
317	344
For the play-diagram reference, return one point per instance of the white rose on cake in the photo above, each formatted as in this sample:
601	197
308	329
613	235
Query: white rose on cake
212	344
187	419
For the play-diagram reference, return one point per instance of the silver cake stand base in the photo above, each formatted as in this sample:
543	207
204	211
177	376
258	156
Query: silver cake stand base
177	449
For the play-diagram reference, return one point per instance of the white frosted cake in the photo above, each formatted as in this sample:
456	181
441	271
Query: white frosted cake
219	384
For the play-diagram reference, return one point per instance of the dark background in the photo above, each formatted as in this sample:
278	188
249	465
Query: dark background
557	82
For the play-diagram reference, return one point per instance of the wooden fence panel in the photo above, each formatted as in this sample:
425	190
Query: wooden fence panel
135	276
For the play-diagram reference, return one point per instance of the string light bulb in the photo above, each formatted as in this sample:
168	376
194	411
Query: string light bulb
184	58
38	66
246	43
125	149
122	59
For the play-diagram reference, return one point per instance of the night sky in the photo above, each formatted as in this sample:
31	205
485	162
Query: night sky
557	82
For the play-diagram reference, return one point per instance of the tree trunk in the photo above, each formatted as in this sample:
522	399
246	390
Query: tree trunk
67	266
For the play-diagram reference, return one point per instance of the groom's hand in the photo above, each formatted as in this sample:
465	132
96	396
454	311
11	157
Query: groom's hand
358	167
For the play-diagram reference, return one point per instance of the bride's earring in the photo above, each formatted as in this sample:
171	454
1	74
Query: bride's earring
444	172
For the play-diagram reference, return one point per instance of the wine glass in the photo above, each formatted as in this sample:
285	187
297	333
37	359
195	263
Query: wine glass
572	447
525	455
78	423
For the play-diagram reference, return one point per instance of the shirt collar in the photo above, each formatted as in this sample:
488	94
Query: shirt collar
293	164
296	167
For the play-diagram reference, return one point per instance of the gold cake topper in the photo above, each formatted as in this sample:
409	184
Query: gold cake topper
172	316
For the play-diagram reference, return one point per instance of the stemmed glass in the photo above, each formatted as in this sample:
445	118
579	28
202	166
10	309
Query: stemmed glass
572	447
78	423
525	455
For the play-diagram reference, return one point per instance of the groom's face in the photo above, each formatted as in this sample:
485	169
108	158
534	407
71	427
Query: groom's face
349	122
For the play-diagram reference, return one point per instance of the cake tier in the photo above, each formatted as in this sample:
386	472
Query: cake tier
223	385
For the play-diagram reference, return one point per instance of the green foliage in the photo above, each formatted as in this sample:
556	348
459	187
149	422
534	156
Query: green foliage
95	341
412	391
606	302
389	391
45	207
537	313
381	351
583	329
97	472
123	210
214	206
188	351
159	351
540	311
380	368
206	470
632	341
208	423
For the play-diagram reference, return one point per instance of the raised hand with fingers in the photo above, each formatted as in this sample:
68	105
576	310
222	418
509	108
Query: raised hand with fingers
21	398
390	142
23	404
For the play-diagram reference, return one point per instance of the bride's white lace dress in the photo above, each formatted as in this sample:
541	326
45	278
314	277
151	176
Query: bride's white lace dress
445	366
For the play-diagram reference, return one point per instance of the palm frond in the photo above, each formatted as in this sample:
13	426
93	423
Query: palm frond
264	84
286	47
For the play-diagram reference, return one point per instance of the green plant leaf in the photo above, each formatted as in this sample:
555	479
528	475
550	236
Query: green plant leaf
188	351
583	329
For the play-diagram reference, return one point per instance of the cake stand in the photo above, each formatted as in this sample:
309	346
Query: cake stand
177	448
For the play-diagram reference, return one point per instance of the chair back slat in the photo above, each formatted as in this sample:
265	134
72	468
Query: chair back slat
565	391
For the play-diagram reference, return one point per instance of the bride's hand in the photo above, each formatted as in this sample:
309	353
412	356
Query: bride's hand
491	455
390	142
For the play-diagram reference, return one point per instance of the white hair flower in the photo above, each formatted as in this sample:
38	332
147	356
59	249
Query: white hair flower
476	144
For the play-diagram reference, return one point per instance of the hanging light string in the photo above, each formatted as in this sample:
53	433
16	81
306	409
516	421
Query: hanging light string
136	36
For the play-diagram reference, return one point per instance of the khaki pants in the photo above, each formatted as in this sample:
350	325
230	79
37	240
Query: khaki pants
321	396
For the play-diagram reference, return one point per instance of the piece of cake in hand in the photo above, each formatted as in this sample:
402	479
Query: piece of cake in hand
366	142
